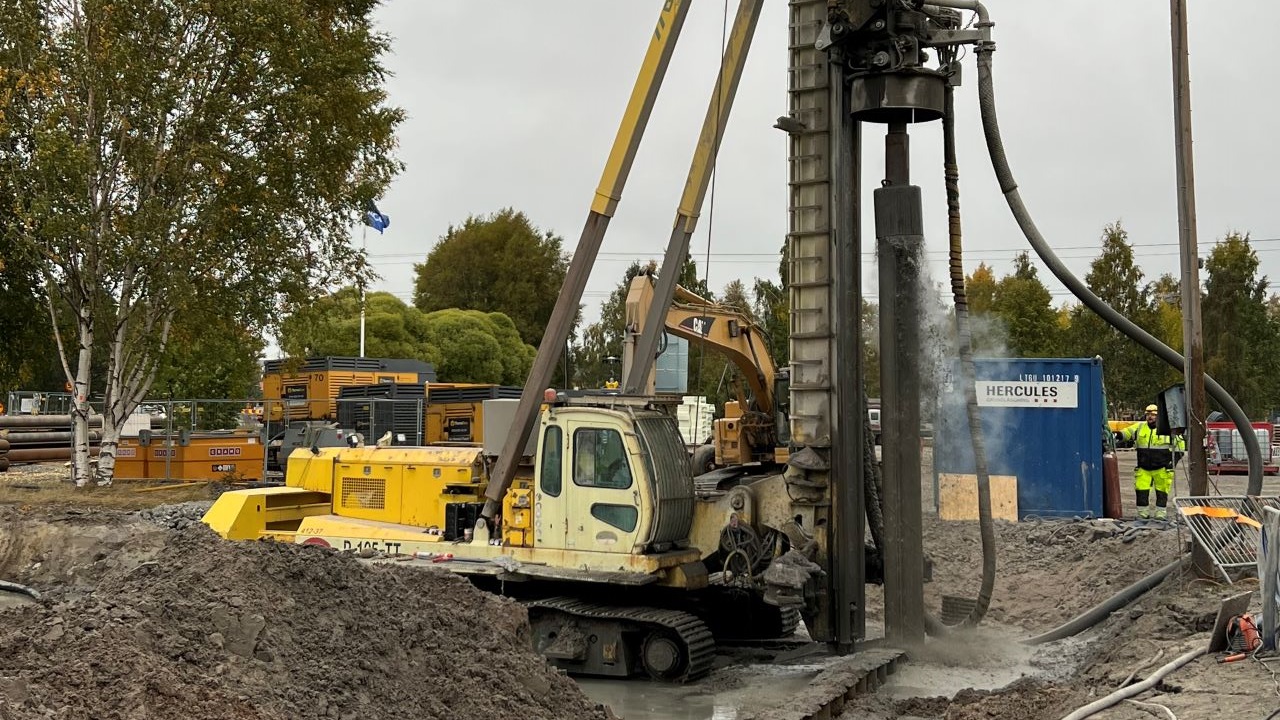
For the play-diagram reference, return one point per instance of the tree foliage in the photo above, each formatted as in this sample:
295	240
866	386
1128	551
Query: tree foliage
499	263
479	347
184	157
1025	307
989	336
1133	375
464	345
1241	339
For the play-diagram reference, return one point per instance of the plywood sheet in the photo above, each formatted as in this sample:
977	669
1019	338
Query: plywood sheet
958	497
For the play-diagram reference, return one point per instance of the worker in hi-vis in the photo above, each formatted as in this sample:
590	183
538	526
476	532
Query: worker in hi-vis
1157	456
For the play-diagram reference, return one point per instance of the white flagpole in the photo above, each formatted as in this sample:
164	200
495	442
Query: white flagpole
364	245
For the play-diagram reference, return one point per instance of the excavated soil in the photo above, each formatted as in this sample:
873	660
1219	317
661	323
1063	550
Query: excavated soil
140	621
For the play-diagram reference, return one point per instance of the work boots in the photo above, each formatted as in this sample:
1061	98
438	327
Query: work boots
1143	513
1160	513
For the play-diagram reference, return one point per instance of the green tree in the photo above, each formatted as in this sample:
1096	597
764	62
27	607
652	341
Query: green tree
1242	343
500	263
1166	312
871	347
478	347
183	157
331	326
1133	374
211	357
1025	307
773	309
989	336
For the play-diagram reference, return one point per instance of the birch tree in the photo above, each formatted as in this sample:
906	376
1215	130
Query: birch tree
184	156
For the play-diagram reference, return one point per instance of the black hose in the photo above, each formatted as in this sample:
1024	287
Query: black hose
995	147
986	526
13	587
1101	612
871	482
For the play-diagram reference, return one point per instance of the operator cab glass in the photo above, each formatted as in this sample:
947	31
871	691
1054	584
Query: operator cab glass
600	459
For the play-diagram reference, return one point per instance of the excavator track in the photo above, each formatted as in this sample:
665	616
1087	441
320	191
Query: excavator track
671	645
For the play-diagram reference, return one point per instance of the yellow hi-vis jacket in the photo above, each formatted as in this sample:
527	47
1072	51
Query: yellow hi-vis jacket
1155	451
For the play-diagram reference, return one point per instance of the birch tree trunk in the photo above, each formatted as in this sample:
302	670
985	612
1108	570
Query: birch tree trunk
80	470
131	376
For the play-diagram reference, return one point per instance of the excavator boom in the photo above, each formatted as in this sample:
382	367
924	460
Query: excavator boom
722	327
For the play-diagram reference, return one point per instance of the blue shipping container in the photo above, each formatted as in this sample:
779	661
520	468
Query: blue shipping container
1043	421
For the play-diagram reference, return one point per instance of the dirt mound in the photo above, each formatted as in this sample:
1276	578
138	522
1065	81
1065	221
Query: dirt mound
209	629
1023	700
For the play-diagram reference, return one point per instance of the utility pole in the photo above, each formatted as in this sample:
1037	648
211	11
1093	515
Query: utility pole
1192	332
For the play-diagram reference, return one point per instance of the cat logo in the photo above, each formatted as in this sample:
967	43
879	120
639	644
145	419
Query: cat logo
700	325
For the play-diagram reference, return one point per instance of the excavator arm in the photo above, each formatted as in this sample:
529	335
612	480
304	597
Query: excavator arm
710	324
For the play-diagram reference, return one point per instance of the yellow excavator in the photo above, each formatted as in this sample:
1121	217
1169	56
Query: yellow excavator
753	427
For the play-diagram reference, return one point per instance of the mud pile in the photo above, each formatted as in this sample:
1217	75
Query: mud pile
208	629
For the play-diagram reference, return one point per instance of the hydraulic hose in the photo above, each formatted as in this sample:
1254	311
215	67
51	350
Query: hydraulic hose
1116	697
985	524
1102	611
995	147
871	482
20	589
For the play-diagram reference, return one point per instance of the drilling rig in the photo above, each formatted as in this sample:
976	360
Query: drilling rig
853	64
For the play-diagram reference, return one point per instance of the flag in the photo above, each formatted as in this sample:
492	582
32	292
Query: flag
374	218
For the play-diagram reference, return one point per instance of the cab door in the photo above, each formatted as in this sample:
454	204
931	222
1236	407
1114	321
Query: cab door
604	490
550	511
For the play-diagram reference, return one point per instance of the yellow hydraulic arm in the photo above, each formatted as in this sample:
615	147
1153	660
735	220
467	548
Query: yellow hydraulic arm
695	189
603	205
698	320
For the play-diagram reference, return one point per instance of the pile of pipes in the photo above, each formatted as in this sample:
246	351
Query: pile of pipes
39	438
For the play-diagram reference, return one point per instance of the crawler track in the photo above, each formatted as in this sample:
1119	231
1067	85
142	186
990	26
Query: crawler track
690	634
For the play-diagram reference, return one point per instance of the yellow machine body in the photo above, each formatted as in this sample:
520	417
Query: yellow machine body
590	508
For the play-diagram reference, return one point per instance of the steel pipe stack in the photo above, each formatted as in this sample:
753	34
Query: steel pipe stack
38	438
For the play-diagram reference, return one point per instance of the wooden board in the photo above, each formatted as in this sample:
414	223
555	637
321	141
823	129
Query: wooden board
958	497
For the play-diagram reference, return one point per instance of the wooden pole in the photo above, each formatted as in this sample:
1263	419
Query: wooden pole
1192	332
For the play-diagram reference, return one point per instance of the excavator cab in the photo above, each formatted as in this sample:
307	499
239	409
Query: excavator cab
607	481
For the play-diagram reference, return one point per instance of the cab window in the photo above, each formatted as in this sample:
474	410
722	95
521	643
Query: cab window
600	459
551	447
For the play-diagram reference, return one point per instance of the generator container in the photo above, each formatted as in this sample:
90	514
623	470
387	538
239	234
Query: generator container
1044	429
309	390
196	456
131	460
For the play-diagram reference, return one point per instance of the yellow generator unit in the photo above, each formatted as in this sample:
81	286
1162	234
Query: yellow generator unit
310	390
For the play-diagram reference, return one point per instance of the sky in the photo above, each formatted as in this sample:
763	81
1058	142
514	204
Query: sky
515	104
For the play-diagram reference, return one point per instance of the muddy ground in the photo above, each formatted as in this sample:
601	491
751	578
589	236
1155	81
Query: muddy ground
138	620
1047	573
145	615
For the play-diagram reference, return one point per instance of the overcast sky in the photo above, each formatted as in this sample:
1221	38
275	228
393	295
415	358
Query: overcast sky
515	103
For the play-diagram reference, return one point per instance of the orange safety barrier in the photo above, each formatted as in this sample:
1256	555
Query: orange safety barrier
1221	513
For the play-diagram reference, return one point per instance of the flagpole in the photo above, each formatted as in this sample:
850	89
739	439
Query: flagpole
364	246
